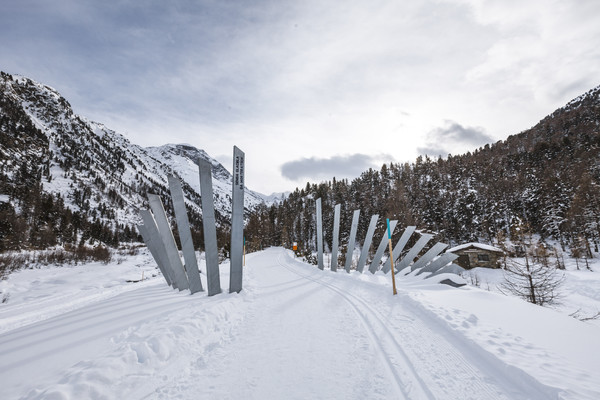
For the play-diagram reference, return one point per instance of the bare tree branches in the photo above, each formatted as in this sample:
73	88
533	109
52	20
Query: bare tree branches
577	315
532	281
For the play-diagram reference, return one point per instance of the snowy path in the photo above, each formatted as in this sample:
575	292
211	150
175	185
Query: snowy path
295	332
424	359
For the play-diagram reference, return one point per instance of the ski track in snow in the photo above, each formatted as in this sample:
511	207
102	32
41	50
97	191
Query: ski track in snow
418	375
294	332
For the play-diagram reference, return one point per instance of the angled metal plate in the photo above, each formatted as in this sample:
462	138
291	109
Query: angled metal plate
151	244
438	263
150	224
448	269
185	235
336	237
413	252
168	240
211	251
352	240
428	256
319	234
237	222
381	249
367	243
398	248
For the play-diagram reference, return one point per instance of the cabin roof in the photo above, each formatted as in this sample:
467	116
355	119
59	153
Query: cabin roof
479	246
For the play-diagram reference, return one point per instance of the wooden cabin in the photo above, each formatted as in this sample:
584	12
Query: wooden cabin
472	255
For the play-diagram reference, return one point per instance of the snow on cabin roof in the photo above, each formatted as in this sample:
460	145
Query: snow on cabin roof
476	245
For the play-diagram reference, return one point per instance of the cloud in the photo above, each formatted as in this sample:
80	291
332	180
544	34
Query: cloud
441	141
543	50
296	79
346	166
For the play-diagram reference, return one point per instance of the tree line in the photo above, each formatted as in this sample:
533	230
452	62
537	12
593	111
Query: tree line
547	178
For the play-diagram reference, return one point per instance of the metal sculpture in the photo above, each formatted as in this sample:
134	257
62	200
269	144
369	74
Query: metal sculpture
319	234
367	243
437	264
352	240
149	239
335	242
209	226
157	242
169	241
185	235
381	249
428	256
398	248
413	252
237	222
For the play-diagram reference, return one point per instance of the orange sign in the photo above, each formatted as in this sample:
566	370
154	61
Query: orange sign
295	246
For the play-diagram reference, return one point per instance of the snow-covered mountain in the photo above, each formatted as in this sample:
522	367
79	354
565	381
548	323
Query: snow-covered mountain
182	160
94	171
275	198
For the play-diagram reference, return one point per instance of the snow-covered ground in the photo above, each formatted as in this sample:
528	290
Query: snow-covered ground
579	294
294	332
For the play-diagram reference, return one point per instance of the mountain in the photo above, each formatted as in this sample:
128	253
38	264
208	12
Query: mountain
66	179
275	198
182	160
544	181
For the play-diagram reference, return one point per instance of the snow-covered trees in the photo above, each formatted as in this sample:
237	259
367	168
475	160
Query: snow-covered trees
547	177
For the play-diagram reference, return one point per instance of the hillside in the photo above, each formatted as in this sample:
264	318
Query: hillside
67	180
544	180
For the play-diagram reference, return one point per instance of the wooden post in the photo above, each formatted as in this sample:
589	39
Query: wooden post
391	257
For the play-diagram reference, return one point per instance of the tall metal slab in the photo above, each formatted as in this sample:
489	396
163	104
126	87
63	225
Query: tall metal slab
336	237
352	240
211	251
169	241
381	249
449	269
438	263
156	240
398	248
153	250
319	234
185	235
367	243
413	252
428	256
237	221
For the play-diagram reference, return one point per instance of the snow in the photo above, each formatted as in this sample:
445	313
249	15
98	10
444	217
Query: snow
294	332
181	159
274	198
580	292
4	198
476	245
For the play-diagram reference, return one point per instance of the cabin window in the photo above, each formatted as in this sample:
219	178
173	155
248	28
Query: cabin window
483	257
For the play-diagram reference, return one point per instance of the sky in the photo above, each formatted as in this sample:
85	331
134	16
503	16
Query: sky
311	89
